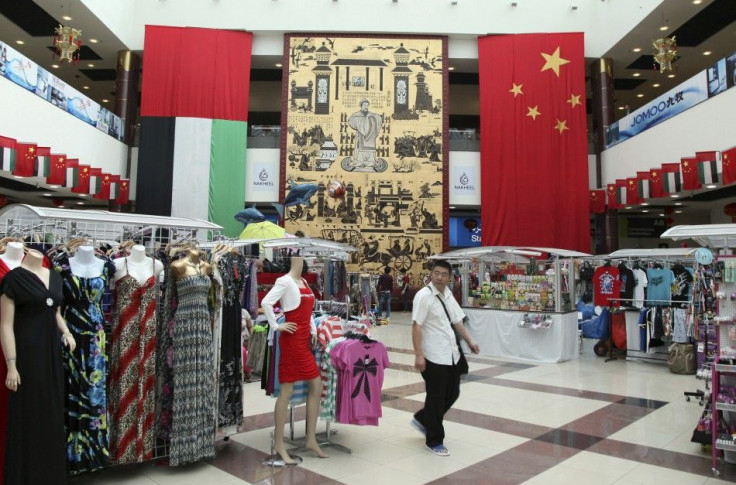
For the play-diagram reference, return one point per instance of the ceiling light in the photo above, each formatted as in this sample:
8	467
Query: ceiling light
54	186
645	203
83	195
93	41
47	194
85	87
661	215
707	53
645	210
678	212
675	196
697	2
80	203
670	76
19	42
90	65
278	64
450	68
678	203
451	207
639	95
663	28
105	100
710	186
66	17
655	85
637	74
55	66
628	207
18	177
636	49
621	108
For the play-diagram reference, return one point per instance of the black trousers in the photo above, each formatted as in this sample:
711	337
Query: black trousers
443	388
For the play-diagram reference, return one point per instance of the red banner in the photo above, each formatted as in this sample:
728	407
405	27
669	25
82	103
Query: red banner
690	173
534	152
613	197
57	170
25	161
632	191
729	165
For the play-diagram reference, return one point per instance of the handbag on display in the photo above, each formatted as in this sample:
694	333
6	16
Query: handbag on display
462	363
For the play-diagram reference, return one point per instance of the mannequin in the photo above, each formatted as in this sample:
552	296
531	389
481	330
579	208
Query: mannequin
366	289
138	265
13	255
190	265
31	297
295	335
85	264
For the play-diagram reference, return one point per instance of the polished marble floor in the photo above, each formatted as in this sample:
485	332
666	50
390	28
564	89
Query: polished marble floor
581	422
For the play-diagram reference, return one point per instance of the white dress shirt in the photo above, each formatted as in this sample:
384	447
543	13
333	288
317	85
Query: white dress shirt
438	338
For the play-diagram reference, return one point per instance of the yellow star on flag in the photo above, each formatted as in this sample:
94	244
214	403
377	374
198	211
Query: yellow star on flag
561	126
61	159
685	163
574	100
31	149
516	89
553	61
533	112
631	182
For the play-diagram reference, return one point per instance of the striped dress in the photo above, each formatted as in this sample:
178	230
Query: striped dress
192	436
133	370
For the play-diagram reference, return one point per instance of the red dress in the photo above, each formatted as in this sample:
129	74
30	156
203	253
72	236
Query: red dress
296	362
3	391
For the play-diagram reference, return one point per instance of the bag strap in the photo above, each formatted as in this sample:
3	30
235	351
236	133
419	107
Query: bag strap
457	336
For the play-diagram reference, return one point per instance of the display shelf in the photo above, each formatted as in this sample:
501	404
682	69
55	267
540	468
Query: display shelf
724	444
725	407
726	369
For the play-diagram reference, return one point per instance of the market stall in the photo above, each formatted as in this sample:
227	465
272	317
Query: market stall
519	301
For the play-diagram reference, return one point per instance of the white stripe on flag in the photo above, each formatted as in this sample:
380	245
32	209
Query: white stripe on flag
672	183
190	184
8	157
93	184
644	189
708	172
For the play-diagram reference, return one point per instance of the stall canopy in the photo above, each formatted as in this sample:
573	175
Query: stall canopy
654	253
709	235
507	253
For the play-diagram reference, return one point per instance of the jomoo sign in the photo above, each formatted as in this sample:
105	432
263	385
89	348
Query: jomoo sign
465	181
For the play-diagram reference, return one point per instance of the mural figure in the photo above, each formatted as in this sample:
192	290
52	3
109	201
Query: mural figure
367	126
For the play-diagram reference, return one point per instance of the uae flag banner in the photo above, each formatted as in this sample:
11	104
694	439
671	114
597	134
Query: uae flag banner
689	173
621	192
194	123
643	182
72	172
709	166
597	201
671	181
729	165
112	189
57	170
25	160
613	197
43	161
7	153
534	153
656	184
632	191
95	180
81	184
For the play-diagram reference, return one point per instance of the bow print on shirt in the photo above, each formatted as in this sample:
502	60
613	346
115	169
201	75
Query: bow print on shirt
363	367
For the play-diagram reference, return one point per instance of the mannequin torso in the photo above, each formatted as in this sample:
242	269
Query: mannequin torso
138	265
13	255
190	265
84	264
33	262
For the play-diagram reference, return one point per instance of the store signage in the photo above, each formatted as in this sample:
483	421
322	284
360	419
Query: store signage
262	179
464	232
22	71
465	180
642	227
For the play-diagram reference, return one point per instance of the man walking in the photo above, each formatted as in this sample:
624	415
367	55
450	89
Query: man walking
404	278
437	354
384	288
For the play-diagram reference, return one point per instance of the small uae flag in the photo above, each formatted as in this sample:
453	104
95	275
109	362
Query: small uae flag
644	184
57	170
709	166
7	153
621	189
72	172
95	181
729	165
671	179
43	161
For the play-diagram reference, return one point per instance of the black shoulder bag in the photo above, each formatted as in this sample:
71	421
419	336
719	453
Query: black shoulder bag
462	363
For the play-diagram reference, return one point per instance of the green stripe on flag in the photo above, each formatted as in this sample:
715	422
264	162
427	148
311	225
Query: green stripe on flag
227	174
643	189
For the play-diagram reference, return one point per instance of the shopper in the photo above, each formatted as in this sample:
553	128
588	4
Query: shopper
437	354
404	278
384	288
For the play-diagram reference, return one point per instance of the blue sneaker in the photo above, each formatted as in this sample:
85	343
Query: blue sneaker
439	450
418	426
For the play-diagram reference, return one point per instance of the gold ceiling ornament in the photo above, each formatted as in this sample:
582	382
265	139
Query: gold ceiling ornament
67	43
665	53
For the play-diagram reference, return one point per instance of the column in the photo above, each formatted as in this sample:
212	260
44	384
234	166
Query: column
126	92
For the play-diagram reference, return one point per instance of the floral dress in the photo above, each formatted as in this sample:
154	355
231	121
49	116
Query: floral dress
85	369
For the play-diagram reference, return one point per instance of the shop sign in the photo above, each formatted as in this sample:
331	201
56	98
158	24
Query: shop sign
638	227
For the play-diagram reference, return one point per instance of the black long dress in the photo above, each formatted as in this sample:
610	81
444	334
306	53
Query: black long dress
35	450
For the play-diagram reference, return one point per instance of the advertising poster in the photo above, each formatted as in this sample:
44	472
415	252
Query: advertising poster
262	181
364	145
465	232
465	183
18	68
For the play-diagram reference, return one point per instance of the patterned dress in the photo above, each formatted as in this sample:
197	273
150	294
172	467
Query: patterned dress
164	351
192	435
133	369
85	369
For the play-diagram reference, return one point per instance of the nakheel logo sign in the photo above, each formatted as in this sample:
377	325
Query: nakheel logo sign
464	183
263	179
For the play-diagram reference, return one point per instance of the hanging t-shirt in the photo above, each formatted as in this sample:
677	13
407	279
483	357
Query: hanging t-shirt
360	368
659	287
641	282
626	276
682	283
606	285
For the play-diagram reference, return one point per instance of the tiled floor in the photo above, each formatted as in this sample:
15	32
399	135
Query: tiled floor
582	422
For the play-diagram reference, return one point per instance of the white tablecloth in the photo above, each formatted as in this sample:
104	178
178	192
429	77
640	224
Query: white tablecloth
499	335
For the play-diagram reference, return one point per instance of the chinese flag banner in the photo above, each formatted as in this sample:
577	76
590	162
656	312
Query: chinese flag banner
613	197
123	189
534	152
597	201
57	170
25	161
729	165
643	181
81	185
709	166
632	191
656	185
690	173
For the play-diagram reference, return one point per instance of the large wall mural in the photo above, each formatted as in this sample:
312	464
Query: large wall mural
371	114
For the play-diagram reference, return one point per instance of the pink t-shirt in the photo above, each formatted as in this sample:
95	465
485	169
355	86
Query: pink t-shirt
360	367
